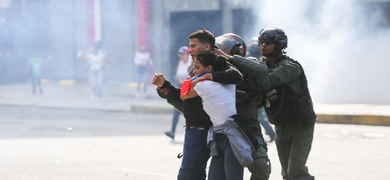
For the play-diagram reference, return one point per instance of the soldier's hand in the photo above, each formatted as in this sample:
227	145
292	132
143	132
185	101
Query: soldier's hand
220	53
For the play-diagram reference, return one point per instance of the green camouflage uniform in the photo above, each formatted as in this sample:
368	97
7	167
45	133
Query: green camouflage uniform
248	100
289	107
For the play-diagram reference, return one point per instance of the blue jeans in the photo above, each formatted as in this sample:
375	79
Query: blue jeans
195	155
263	119
175	120
225	166
142	72
96	81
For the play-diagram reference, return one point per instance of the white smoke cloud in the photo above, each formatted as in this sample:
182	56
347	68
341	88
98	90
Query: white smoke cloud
341	45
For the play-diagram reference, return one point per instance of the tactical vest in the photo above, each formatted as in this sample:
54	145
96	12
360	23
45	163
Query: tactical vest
283	107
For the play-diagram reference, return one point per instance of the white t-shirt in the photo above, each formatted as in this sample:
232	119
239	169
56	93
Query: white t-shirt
219	100
183	68
142	58
95	60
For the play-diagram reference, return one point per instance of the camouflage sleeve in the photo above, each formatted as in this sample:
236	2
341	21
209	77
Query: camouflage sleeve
254	69
284	72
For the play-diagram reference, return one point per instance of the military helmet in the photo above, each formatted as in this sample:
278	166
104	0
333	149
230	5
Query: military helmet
231	44
254	48
273	35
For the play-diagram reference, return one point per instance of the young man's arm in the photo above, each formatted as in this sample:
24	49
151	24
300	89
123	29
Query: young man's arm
230	76
171	94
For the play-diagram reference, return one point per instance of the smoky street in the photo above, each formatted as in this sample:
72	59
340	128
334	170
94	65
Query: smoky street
51	144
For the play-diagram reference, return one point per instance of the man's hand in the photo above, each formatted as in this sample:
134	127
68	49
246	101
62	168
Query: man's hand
164	91
158	80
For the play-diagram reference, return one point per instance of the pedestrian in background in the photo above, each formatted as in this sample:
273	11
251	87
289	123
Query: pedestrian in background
95	59
143	62
183	69
263	120
288	105
34	70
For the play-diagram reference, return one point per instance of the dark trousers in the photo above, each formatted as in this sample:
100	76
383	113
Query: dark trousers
195	155
225	166
293	143
175	120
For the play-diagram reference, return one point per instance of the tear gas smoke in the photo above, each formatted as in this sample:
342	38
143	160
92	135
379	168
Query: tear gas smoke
341	44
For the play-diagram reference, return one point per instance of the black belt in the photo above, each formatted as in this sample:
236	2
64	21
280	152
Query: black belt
197	128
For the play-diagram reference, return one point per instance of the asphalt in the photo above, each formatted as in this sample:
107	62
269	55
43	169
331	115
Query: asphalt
121	96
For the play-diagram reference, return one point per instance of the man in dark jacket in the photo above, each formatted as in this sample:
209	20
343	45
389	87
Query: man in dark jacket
195	151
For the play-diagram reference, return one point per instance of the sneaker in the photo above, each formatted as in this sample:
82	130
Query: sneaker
271	138
170	134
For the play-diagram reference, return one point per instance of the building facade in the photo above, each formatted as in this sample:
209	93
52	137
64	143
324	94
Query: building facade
62	28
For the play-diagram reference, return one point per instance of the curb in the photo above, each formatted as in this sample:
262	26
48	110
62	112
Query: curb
148	108
376	120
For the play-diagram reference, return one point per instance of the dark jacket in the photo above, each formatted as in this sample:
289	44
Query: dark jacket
287	96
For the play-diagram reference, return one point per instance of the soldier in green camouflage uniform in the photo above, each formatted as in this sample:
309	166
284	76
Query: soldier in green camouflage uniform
288	105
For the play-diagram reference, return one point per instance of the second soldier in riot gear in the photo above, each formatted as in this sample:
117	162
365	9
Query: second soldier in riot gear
248	99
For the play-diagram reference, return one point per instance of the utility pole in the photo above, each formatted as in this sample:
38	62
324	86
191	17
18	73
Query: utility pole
227	16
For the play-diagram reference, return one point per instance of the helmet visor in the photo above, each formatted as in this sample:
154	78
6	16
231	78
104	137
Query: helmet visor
267	39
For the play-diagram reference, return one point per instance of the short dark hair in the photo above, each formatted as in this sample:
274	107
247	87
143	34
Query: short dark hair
204	37
209	58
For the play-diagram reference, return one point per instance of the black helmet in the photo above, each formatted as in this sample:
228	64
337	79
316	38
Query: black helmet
273	35
231	44
254	48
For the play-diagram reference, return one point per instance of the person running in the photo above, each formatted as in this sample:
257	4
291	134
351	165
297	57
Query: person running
143	62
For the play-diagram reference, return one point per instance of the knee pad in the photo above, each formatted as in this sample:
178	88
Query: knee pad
260	169
261	152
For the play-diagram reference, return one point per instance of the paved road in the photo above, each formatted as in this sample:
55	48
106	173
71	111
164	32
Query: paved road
36	144
64	134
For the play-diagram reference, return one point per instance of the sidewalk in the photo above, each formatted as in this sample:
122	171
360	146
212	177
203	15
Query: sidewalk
119	96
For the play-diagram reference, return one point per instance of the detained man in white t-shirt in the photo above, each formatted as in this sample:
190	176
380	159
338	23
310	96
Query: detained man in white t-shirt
230	148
